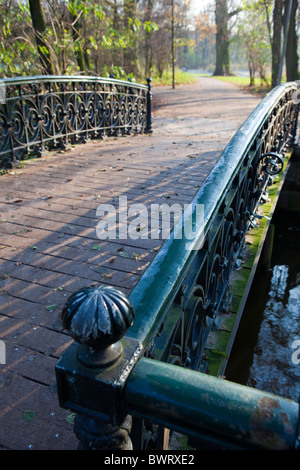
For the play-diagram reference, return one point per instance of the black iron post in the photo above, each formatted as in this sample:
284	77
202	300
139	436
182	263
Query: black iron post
149	109
92	372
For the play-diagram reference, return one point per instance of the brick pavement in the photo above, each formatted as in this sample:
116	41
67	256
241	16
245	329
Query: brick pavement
49	246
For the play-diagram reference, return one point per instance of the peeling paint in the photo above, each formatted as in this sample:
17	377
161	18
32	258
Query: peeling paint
264	416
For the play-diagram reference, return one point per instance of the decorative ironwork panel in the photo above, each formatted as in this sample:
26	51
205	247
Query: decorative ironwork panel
40	112
185	291
203	293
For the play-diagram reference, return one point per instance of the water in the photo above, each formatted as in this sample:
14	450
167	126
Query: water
265	355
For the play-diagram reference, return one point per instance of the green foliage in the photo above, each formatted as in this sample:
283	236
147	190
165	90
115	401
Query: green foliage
254	37
106	37
150	27
130	39
18	53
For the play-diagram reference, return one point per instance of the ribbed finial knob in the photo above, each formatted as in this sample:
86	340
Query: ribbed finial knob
97	317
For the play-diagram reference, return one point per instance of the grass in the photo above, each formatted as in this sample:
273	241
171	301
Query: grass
258	88
181	78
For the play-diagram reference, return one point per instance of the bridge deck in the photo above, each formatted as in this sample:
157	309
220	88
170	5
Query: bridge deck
49	246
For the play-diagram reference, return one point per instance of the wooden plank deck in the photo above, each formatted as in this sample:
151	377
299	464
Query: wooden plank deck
49	246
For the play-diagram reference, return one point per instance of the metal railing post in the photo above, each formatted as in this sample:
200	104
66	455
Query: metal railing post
103	377
149	110
92	372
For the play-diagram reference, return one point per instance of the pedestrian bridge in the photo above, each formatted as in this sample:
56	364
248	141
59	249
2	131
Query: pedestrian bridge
129	332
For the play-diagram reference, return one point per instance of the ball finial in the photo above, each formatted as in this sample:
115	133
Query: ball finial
97	317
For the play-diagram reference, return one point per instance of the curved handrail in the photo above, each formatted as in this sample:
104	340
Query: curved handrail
168	269
176	303
45	111
68	78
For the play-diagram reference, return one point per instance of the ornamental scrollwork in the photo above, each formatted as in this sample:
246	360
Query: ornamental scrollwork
41	114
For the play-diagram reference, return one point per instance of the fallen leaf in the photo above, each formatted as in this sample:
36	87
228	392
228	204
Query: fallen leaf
106	275
28	415
153	250
70	418
96	247
51	307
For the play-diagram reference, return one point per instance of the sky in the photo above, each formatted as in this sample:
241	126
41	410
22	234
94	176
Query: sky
198	5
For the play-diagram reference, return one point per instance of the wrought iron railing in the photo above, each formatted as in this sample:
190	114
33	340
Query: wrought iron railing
128	349
44	111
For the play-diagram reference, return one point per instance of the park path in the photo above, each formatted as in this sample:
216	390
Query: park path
49	246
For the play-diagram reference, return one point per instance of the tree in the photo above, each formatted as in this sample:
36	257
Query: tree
276	40
102	37
222	37
254	36
76	25
280	11
131	28
148	36
39	26
291	54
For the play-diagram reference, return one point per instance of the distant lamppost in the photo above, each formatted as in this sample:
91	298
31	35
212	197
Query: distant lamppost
173	53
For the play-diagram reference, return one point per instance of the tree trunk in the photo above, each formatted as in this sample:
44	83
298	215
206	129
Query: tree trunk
39	26
130	53
148	48
76	29
291	54
222	39
276	42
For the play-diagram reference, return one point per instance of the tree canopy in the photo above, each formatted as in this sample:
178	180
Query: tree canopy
133	39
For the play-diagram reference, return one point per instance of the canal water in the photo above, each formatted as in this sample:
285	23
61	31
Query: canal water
266	351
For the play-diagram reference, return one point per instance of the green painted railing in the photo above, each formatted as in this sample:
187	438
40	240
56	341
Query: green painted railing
143	356
211	411
45	111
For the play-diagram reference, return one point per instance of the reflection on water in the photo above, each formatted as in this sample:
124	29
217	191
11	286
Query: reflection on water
272	368
263	352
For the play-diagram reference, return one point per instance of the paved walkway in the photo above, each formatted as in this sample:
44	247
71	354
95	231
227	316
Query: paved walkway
49	246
